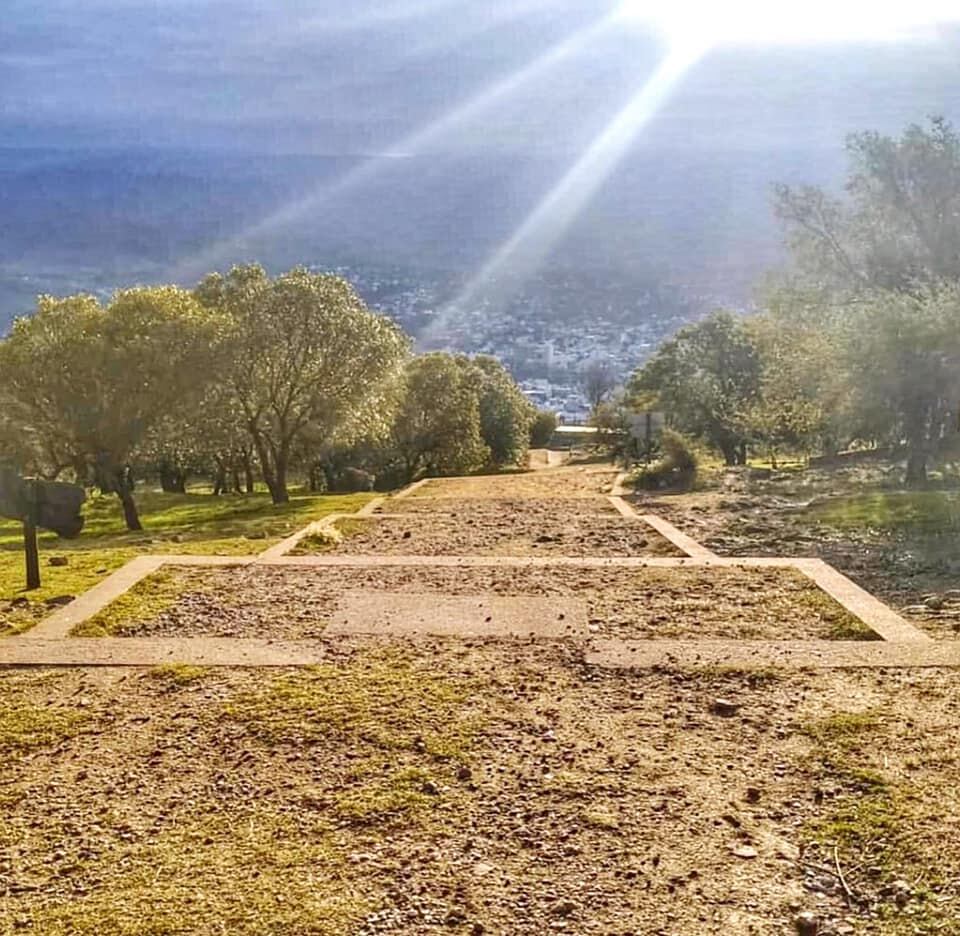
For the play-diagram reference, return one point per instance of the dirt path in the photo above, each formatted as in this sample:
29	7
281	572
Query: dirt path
477	786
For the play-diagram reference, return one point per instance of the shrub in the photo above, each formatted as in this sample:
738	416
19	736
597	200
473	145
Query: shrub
543	428
675	468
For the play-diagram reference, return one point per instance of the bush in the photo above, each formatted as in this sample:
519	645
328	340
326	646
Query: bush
675	468
543	428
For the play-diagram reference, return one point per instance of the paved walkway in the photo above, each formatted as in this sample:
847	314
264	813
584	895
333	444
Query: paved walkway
900	644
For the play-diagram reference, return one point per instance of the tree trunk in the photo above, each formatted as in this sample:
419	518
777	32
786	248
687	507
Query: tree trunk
219	479
124	492
236	480
278	490
167	479
274	469
743	453
172	481
916	468
729	453
248	474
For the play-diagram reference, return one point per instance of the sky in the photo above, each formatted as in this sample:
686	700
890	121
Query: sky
295	76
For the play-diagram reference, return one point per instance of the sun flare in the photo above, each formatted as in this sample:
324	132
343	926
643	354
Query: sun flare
707	23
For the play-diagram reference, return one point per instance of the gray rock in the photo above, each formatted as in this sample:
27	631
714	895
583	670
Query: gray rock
724	707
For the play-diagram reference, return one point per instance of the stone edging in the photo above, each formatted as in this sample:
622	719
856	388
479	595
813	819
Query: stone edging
901	644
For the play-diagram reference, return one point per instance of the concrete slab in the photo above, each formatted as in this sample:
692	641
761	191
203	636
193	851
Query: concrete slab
400	614
668	531
412	488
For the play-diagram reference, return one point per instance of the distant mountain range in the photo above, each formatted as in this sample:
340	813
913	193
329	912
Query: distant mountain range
100	219
144	141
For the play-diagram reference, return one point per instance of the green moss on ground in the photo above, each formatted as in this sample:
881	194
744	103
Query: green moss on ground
263	854
390	705
175	675
27	726
914	513
145	600
877	825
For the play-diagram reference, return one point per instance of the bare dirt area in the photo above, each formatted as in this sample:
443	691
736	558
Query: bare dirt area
467	507
565	482
533	531
494	790
290	603
743	517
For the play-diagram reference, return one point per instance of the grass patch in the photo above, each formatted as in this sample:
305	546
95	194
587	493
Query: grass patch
841	624
332	536
189	524
913	513
844	730
398	794
753	676
25	726
144	601
175	675
389	704
258	873
880	828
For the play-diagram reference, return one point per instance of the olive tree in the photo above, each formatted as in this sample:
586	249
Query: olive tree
705	379
91	381
437	428
307	358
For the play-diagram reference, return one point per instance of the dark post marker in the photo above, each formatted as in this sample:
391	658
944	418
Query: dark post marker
31	551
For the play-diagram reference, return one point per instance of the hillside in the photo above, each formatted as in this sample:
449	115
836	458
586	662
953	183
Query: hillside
694	222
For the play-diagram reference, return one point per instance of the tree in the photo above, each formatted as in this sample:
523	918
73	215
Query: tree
306	357
905	352
884	264
543	428
598	381
704	378
210	438
92	381
898	229
506	415
803	401
437	427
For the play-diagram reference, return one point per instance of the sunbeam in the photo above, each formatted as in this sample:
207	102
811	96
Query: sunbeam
416	142
523	253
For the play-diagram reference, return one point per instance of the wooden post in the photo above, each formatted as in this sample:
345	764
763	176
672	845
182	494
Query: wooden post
31	552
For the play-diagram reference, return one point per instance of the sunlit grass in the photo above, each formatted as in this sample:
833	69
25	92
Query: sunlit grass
189	524
914	513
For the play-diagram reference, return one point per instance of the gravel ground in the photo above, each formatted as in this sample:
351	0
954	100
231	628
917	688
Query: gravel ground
583	802
273	602
564	483
744	522
533	532
468	507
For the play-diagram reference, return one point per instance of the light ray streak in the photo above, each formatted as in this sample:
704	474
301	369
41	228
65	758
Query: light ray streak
416	142
513	263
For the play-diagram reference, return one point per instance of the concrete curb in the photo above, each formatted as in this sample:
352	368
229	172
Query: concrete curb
604	654
787	654
686	544
287	545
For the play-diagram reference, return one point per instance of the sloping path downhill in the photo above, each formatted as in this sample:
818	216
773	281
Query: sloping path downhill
499	705
644	592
